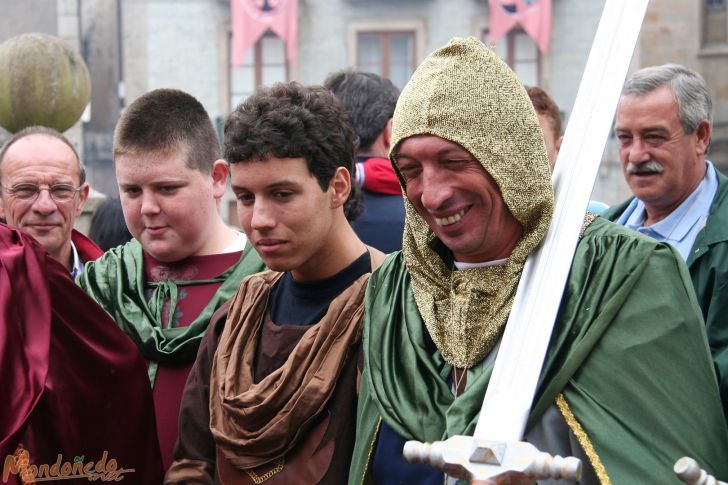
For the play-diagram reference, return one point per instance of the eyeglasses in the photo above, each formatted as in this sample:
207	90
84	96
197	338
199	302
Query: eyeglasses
27	192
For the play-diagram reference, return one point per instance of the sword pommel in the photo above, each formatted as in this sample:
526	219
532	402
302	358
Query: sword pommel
556	467
690	472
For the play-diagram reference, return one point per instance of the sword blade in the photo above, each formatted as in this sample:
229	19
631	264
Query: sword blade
510	393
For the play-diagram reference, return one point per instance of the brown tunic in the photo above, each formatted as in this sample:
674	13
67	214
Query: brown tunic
327	447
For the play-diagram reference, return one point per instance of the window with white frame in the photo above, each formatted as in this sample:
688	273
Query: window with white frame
521	53
715	22
264	64
389	54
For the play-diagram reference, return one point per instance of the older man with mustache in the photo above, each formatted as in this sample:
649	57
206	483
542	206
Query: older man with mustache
663	124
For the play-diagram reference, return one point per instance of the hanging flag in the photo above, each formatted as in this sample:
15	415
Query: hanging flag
252	18
534	16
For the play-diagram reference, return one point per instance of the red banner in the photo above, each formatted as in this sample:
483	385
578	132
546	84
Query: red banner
534	16
253	18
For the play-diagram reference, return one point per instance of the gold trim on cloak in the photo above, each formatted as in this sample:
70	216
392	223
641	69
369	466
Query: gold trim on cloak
370	454
258	479
583	439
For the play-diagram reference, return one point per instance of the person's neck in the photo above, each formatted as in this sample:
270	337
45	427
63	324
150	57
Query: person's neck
654	213
377	150
341	249
221	237
64	255
370	155
510	236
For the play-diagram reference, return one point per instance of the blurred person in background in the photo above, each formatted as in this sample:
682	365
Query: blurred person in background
369	100
108	227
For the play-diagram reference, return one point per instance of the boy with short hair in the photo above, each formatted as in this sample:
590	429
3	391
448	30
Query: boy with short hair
162	287
273	391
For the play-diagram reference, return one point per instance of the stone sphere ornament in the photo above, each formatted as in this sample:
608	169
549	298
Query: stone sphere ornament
43	81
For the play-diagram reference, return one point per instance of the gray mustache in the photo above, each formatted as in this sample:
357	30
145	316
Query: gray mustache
647	167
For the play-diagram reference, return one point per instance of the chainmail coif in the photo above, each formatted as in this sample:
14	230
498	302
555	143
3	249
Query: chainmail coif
466	94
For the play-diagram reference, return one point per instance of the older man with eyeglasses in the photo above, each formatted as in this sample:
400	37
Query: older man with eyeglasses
42	190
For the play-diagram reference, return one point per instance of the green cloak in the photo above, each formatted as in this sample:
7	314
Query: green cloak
628	364
117	282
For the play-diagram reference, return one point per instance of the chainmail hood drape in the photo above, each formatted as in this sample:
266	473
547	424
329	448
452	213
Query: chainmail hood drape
465	93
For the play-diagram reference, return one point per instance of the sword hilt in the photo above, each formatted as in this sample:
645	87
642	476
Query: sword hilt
690	472
546	466
466	457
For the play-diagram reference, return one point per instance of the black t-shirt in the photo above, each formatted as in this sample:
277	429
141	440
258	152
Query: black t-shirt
305	303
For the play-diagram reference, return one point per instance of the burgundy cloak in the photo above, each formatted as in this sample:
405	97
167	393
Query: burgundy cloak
71	382
87	249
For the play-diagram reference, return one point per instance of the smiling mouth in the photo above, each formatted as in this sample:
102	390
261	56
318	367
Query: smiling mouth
450	220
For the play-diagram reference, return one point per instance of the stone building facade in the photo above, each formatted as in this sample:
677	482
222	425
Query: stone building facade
694	34
186	44
133	46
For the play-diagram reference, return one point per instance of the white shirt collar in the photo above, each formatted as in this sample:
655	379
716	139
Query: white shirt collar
77	265
496	262
238	243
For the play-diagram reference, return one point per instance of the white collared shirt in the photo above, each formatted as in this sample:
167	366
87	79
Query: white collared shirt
682	225
77	265
496	262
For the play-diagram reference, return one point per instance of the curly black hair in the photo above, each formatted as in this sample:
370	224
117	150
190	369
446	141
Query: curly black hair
288	120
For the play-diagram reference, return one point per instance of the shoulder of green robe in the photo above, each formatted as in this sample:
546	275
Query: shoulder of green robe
105	268
392	268
392	263
630	357
602	229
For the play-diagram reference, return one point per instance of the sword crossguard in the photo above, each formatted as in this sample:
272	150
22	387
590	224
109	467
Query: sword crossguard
690	473
465	457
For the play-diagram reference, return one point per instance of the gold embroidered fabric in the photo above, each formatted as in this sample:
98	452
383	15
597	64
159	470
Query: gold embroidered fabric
258	479
370	453
583	439
466	94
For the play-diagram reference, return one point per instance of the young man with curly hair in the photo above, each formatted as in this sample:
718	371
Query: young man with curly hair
273	392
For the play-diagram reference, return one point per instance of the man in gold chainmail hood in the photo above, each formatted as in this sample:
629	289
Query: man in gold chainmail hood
627	384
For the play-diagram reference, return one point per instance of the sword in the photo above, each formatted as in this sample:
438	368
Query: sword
496	446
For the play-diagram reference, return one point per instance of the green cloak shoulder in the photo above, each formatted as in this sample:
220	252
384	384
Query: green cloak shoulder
116	281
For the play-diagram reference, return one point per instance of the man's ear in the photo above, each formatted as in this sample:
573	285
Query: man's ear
340	187
387	135
702	135
2	207
220	172
82	198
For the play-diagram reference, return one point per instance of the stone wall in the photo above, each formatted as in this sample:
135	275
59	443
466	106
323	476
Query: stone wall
673	33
